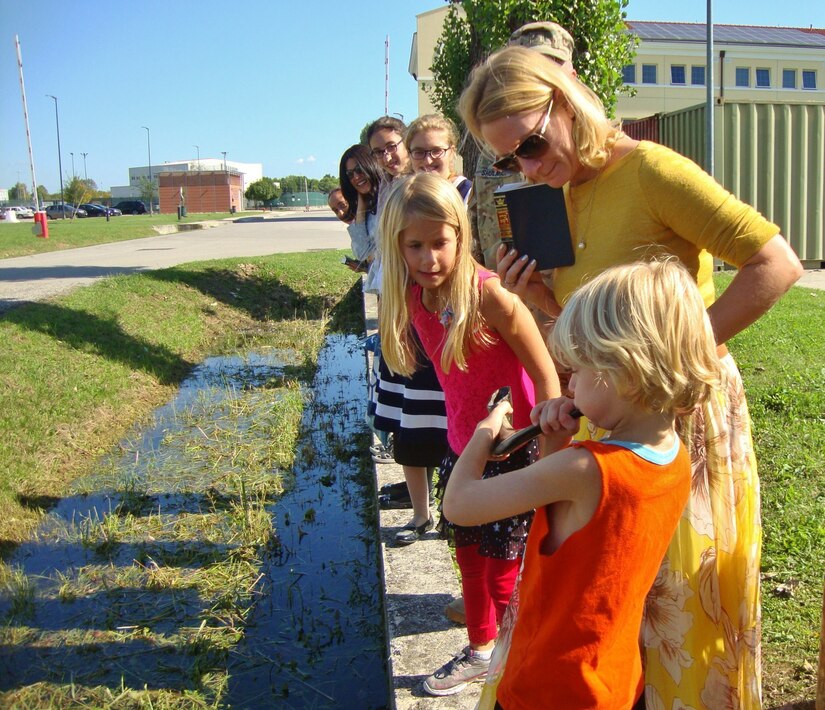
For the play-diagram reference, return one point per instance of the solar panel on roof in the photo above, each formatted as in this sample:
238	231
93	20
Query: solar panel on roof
689	32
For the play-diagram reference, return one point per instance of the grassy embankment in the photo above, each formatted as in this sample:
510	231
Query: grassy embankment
77	373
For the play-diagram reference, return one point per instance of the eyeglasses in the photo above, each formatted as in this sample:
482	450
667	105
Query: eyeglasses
357	170
434	153
533	146
390	148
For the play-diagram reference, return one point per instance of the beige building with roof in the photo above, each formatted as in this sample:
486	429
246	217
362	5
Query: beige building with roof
776	64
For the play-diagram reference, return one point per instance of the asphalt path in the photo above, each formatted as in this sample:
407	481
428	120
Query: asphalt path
41	276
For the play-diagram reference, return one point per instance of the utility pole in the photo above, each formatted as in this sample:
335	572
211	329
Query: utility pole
59	159
85	174
151	182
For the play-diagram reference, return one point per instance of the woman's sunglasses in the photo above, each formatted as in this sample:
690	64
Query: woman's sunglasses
533	146
357	170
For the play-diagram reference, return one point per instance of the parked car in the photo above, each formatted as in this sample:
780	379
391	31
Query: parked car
24	212
95	210
56	211
131	207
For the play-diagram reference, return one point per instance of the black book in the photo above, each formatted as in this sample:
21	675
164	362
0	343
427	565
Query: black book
534	219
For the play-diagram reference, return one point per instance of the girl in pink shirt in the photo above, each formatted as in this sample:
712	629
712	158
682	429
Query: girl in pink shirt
479	338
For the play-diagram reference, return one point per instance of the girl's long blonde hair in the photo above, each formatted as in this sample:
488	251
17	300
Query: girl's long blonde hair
516	80
427	196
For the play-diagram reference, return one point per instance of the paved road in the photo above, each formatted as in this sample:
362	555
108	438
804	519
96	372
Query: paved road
33	278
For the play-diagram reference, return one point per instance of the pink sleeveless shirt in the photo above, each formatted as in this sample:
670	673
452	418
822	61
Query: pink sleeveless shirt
488	368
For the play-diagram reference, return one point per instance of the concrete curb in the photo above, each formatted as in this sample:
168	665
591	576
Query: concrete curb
419	581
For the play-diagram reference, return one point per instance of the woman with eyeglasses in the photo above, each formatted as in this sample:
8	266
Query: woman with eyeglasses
385	137
431	142
629	200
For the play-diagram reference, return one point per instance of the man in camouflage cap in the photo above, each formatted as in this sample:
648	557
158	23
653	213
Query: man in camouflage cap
555	42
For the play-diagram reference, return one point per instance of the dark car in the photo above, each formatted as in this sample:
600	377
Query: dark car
95	210
56	211
131	207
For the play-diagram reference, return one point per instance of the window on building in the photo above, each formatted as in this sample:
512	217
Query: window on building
789	78
648	73
743	76
763	78
629	74
808	79
697	76
677	73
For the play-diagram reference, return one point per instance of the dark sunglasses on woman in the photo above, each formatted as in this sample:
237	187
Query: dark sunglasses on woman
357	170
532	147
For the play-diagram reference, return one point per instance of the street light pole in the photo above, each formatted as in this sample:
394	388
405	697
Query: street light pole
151	182
226	177
73	172
59	159
85	174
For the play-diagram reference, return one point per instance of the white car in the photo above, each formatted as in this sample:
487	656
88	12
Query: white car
24	212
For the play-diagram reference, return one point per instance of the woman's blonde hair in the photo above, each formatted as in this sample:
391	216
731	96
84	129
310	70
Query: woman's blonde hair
643	326
426	196
431	122
516	80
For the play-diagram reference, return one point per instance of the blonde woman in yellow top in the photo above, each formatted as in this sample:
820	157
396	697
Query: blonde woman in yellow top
627	201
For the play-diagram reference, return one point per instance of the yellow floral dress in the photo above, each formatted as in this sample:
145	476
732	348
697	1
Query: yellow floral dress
702	624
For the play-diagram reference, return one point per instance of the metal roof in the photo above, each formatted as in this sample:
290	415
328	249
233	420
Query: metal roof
727	34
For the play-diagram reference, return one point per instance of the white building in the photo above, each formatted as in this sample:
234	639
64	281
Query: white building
250	172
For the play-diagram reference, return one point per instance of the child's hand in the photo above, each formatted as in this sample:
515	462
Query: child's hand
493	422
555	416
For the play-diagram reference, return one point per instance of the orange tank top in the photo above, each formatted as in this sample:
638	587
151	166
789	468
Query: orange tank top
576	639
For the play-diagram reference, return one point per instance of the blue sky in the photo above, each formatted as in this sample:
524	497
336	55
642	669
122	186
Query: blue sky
286	84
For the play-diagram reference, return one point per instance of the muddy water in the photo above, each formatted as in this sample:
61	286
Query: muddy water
316	636
316	640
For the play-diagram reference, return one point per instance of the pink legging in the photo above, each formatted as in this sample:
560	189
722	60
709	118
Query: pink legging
487	584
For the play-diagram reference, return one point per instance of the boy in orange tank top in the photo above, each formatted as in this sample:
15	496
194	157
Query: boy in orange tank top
641	349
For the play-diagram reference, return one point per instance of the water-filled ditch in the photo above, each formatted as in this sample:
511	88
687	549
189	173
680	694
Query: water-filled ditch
176	560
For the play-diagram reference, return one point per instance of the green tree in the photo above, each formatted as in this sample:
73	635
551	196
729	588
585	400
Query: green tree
292	183
42	194
264	190
78	191
328	183
148	191
603	46
19	192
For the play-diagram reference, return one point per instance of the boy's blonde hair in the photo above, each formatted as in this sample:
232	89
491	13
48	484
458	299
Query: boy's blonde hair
645	327
516	80
426	196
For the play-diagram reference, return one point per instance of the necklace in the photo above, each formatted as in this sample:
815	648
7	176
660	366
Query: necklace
588	208
437	304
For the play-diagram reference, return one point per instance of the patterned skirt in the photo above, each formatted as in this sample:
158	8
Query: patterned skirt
702	624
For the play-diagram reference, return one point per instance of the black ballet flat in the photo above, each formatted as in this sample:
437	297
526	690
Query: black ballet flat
410	533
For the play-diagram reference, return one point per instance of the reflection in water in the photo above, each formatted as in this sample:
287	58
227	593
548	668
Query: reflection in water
93	609
316	639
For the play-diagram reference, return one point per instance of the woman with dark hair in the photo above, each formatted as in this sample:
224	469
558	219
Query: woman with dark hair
360	175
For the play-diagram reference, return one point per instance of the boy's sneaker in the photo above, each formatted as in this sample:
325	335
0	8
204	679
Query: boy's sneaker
454	676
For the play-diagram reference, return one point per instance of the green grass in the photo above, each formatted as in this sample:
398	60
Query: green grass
78	371
86	368
18	240
782	364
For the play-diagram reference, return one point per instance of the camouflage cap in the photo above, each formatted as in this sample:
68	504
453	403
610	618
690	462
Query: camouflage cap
545	37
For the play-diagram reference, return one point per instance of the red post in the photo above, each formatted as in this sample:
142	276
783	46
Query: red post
41	225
